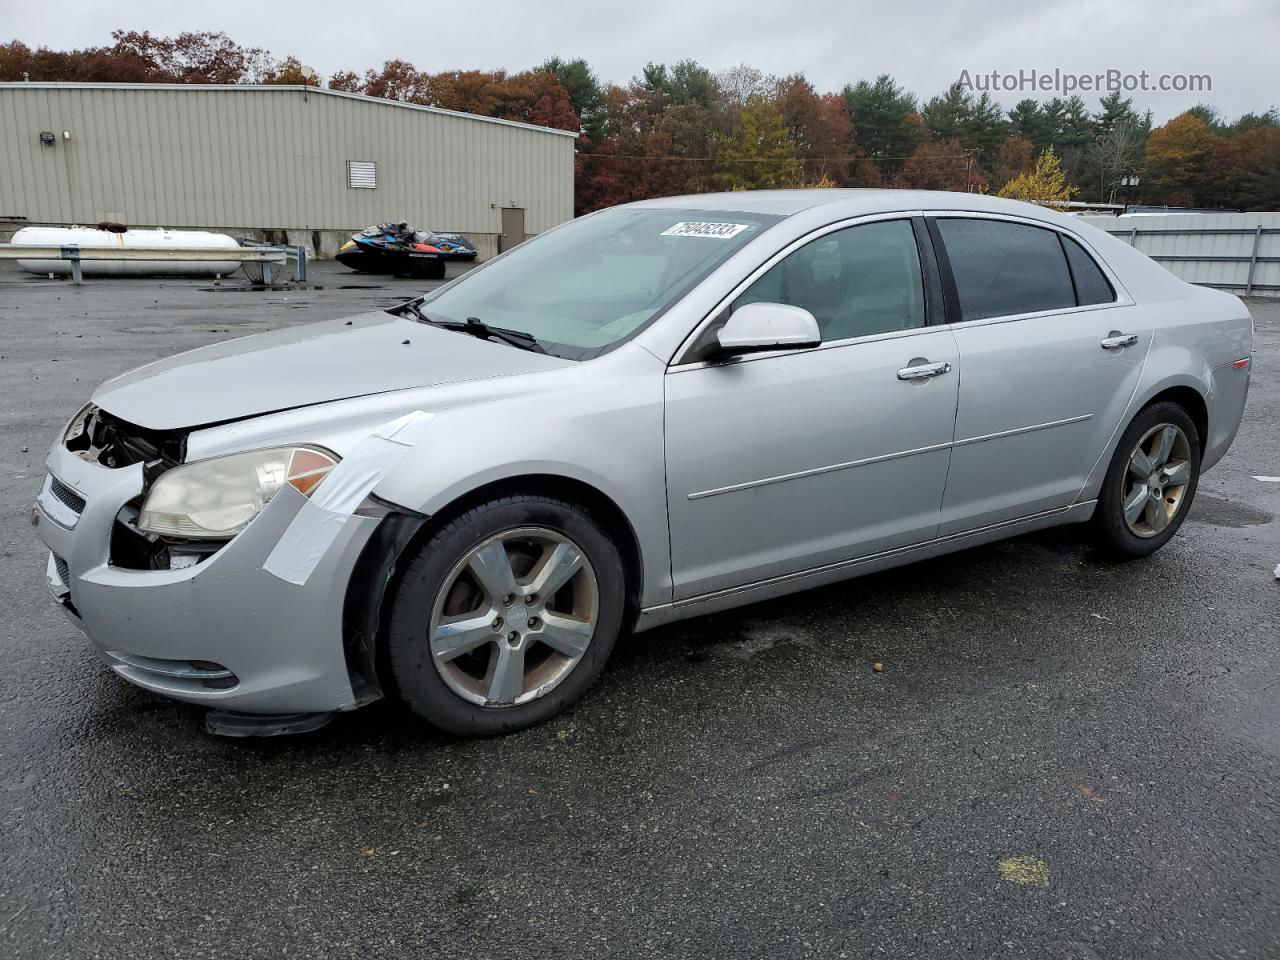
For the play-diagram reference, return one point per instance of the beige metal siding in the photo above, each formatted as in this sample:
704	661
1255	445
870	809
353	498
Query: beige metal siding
264	157
1185	245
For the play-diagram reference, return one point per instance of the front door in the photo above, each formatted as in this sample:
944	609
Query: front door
779	463
1051	359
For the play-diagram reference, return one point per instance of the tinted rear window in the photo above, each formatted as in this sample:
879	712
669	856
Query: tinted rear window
1092	285
1003	268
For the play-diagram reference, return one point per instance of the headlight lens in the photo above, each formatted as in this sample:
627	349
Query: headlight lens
215	499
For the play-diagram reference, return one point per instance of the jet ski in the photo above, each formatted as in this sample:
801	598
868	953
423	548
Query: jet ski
399	249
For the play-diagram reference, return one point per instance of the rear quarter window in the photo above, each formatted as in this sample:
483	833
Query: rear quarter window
1092	285
1002	268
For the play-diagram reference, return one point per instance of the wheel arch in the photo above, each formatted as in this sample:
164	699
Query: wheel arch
380	567
573	490
1182	389
1186	395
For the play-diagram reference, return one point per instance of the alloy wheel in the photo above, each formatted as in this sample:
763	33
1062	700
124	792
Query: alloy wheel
1159	471
514	617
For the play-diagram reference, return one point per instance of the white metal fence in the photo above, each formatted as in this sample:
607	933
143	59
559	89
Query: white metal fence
1236	252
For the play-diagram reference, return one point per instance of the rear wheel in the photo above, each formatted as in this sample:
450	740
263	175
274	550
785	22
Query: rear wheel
1150	483
505	616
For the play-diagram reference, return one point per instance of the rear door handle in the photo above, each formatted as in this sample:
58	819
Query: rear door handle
924	371
1119	342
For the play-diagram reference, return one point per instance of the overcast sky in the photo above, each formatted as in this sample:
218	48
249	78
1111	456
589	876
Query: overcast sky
926	46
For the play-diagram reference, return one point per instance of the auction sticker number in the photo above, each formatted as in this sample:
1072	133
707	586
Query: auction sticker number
696	228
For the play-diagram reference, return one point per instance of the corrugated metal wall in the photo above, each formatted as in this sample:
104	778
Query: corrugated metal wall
1194	247
268	157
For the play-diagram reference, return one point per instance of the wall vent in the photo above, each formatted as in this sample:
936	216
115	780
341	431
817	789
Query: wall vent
362	174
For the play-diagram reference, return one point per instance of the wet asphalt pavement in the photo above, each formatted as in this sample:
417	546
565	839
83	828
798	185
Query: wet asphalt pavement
1063	757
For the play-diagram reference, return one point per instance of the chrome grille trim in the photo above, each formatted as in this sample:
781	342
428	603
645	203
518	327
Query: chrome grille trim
54	507
66	495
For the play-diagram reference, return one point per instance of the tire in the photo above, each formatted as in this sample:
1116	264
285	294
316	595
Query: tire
441	605
1152	522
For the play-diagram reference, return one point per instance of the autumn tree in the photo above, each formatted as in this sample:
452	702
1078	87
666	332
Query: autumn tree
602	176
819	127
759	152
941	165
397	80
290	70
1017	157
537	98
90	65
1046	184
1178	159
141	57
1208	114
345	80
203	57
1248	166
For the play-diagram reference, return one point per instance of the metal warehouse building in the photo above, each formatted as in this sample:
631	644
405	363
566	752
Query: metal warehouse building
284	163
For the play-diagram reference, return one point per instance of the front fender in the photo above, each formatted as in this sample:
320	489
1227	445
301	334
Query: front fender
607	435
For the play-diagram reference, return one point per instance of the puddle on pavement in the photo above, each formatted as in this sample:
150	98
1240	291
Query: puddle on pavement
1226	513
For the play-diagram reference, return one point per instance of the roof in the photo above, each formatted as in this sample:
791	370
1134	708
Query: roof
281	88
853	202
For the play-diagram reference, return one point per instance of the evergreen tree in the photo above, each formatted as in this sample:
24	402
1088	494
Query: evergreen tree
881	114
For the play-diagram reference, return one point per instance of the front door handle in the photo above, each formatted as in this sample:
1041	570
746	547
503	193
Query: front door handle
924	371
1120	341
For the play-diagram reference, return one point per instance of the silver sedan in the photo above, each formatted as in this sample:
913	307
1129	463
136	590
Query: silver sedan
649	413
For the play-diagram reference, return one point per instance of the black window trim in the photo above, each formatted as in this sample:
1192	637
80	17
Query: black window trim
951	294
931	275
686	355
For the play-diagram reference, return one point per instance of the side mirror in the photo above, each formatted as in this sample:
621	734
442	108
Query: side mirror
767	326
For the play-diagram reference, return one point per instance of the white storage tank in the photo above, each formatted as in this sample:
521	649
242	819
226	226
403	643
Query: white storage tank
93	237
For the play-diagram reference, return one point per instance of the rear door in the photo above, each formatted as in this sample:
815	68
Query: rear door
1052	352
778	463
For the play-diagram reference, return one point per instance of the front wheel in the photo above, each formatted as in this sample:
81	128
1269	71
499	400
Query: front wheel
1150	483
505	616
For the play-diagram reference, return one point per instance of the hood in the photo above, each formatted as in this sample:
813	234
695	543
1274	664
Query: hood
304	365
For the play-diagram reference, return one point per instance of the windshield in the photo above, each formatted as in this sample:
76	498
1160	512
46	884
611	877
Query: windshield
598	281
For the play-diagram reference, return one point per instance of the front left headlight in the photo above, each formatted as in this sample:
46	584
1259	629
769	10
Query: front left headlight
215	499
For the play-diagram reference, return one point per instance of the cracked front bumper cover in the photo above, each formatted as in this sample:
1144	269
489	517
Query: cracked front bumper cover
282	643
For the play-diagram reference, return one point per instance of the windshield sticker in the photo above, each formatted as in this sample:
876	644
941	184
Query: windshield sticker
695	228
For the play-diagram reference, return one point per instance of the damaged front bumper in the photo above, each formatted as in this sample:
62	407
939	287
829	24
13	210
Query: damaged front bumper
225	632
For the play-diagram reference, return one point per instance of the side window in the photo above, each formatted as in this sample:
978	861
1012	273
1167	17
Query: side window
1092	285
1003	268
856	282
